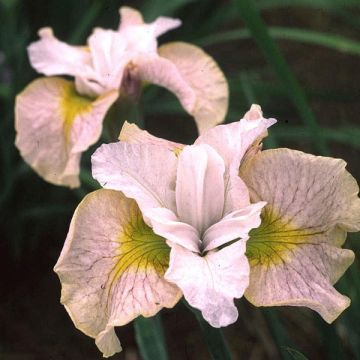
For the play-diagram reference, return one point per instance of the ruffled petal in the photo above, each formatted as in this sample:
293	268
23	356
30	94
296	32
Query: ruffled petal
231	141
132	134
111	268
203	76
294	255
234	226
200	187
54	125
211	283
138	171
50	56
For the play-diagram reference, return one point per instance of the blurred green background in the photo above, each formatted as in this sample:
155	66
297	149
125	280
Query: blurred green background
300	63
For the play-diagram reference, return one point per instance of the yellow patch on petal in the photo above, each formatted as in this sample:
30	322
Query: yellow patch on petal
140	248
272	242
72	105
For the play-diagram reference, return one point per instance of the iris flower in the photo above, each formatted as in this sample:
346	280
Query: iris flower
179	220
172	220
58	119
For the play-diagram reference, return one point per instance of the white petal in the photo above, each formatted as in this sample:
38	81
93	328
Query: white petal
233	226
50	56
200	187
204	77
132	134
211	283
111	268
138	171
109	57
165	223
54	125
294	255
232	141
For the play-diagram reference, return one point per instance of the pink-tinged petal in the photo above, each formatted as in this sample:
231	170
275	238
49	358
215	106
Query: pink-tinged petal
232	141
201	74
139	171
109	58
54	125
164	73
163	24
112	268
200	187
234	226
166	224
50	56
295	254
132	134
211	283
133	18
129	17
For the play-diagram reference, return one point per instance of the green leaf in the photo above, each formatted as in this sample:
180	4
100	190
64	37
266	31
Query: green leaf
294	354
150	338
261	35
331	41
153	9
86	21
214	338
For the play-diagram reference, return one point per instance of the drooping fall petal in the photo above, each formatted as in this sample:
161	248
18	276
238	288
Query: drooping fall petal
295	255
112	267
211	283
54	125
204	76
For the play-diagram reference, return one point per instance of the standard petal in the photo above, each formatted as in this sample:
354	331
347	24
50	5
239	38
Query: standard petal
109	58
111	268
50	56
203	75
232	141
165	223
129	17
132	134
200	187
294	255
142	172
211	283
236	225
54	125
163	24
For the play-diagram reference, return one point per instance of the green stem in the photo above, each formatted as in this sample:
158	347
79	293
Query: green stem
214	338
150	338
